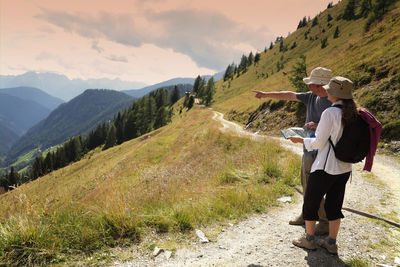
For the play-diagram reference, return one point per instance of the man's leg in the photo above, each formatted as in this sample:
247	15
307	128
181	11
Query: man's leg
306	163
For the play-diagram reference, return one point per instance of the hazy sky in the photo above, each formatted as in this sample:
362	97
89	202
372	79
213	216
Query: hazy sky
140	40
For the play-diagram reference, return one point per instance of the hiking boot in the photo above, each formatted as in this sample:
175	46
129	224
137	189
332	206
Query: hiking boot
330	248
322	228
298	221
302	242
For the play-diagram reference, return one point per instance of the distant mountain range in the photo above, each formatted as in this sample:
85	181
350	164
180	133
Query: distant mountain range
35	95
20	109
78	116
144	91
60	86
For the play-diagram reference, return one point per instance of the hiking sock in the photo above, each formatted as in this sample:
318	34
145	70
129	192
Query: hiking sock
310	237
331	241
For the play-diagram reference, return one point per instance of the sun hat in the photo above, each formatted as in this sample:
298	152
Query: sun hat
319	76
340	87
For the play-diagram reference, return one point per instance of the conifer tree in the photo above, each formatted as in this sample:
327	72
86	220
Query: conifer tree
257	58
299	71
37	167
119	126
191	102
314	21
13	178
202	88
349	12
271	45
186	100
324	42
243	64
336	34
161	118
196	84
250	59
4	182
175	95
329	17
48	162
209	92
229	72
130	126
111	137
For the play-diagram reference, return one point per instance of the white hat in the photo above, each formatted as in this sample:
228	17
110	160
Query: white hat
319	75
340	87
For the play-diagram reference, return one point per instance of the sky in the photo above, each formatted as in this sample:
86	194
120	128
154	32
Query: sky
147	41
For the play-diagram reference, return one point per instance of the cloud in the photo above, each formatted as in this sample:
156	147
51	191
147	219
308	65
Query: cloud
96	47
117	58
209	38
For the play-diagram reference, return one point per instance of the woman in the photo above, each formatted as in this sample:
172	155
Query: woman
328	174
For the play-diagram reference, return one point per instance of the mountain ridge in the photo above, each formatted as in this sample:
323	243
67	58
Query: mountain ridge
77	116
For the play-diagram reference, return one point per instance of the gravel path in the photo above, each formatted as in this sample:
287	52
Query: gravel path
265	240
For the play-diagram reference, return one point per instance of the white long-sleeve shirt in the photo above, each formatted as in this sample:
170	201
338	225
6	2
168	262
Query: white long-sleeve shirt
330	125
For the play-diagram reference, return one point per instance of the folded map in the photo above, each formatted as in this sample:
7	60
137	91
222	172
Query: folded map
297	132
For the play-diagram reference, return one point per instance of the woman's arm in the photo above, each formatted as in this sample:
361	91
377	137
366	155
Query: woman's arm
322	133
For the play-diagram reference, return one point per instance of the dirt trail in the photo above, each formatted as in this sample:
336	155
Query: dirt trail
265	240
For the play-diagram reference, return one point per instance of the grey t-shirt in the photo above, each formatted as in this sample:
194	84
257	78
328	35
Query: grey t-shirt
315	106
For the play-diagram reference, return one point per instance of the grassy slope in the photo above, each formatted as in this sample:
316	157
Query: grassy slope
184	175
354	54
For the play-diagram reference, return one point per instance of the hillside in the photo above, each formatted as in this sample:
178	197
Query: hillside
19	115
78	116
371	59
35	95
172	180
7	139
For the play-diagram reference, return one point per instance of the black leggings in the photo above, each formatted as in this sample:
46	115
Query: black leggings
319	184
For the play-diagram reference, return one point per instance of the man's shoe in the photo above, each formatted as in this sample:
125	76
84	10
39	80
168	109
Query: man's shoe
302	242
333	249
322	228
298	221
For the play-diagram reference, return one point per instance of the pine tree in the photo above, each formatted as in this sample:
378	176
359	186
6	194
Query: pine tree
48	162
324	42
329	17
315	22
250	59
281	47
257	58
349	12
13	178
365	8
299	71
229	72
336	34
186	100
130	126
196	84
4	182
175	95
119	126
111	137
271	45
191	102
209	92
37	168
161	118
243	64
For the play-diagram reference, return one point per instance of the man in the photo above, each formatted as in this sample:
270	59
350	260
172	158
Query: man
316	102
